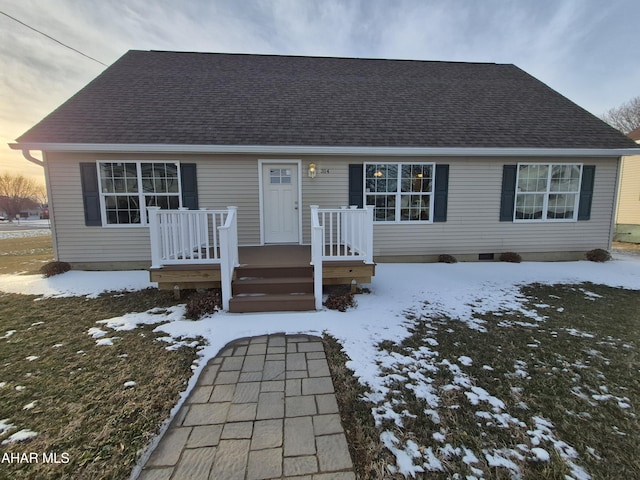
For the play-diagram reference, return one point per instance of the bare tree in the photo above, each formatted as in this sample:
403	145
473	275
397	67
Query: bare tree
626	117
17	193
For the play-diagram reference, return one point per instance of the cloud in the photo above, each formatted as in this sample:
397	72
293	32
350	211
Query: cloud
578	47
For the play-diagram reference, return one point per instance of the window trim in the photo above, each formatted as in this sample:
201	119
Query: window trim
398	207
548	192
141	195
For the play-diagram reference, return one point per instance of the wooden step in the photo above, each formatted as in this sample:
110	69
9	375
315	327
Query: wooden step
271	271
272	285
272	303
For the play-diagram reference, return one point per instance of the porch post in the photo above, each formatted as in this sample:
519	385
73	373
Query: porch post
228	254
317	238
368	232
154	236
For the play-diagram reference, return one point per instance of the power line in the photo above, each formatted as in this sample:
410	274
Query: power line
51	38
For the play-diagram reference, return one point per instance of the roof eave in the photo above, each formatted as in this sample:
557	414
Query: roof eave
325	150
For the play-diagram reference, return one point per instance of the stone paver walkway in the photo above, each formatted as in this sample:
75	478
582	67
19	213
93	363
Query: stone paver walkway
264	408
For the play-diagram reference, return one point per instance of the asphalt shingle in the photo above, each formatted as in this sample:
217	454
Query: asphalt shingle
235	99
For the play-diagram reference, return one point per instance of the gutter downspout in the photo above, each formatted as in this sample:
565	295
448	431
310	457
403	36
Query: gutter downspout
616	202
27	154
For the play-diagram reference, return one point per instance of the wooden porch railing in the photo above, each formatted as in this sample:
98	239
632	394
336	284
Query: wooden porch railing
182	237
339	234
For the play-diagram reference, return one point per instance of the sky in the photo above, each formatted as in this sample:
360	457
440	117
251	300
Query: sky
580	48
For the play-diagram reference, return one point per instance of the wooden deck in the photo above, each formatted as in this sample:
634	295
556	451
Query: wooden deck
275	255
187	276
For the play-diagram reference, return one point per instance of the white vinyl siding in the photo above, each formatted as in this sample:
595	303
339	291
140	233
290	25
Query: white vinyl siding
473	213
76	242
472	224
222	181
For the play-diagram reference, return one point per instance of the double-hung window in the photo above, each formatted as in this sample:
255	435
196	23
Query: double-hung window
127	188
547	192
400	192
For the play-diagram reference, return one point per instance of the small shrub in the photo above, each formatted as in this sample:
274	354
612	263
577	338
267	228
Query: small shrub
598	255
340	301
54	268
201	304
447	259
511	257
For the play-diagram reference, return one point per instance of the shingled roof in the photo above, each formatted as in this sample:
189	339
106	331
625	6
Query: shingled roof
234	99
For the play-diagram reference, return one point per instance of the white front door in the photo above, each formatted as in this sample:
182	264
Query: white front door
280	203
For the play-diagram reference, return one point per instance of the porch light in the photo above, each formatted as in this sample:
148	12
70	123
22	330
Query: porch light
312	170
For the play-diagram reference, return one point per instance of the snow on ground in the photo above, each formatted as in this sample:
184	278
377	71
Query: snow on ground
24	228
40	232
460	291
75	283
20	436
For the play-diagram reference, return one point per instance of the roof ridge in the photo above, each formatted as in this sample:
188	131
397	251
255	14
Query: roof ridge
329	57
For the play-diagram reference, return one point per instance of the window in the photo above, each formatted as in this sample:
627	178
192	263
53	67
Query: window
400	192
280	175
127	188
547	192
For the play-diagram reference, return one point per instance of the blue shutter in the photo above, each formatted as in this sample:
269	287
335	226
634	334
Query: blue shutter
90	195
441	193
356	187
508	196
586	192
189	185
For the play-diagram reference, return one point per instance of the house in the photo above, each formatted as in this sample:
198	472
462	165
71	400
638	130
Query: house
628	212
467	159
22	208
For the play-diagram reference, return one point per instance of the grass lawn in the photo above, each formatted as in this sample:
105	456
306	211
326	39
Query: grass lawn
56	381
526	398
25	255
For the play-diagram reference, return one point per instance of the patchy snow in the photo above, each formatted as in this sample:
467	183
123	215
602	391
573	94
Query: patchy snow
577	333
466	361
8	334
30	406
541	454
129	384
31	358
96	332
462	292
130	321
20	436
590	295
104	342
37	232
75	283
5	426
404	456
